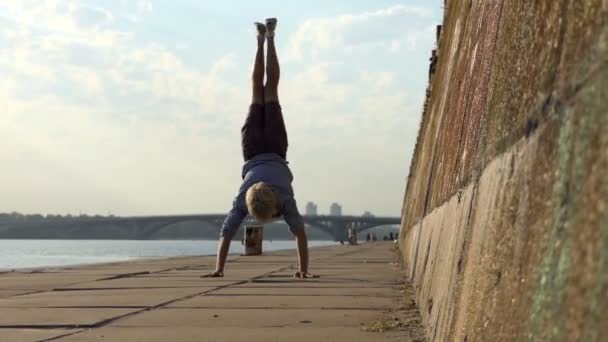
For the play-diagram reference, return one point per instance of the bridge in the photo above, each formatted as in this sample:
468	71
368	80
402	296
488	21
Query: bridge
146	227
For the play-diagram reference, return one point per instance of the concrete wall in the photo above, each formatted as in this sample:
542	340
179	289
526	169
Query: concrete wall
505	216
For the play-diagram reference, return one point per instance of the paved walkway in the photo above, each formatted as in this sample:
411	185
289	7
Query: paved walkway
360	289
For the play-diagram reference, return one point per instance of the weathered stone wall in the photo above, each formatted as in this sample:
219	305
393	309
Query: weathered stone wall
505	217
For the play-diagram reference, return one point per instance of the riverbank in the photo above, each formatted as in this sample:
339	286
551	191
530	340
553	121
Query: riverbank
360	289
40	254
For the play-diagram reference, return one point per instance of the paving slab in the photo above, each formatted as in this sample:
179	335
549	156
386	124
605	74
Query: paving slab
249	318
150	282
258	300
286	302
260	260
46	317
312	283
100	298
42	281
10	293
299	291
339	277
126	267
31	335
234	272
194	334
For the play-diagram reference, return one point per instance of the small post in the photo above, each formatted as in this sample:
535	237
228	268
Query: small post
254	235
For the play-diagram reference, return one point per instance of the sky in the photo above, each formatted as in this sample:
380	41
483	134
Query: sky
135	107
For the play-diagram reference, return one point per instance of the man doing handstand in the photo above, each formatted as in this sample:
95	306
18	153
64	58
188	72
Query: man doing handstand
266	191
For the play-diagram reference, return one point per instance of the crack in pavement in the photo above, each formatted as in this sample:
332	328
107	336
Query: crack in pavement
329	308
82	289
124	275
212	292
107	321
295	295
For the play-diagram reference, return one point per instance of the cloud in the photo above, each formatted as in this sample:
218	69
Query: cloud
126	124
144	6
354	95
382	28
93	17
82	97
135	11
349	72
54	42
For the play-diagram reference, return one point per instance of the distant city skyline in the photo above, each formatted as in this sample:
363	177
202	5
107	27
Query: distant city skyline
135	107
335	209
311	209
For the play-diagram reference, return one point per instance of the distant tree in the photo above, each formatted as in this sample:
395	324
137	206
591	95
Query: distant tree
367	214
17	216
35	217
4	217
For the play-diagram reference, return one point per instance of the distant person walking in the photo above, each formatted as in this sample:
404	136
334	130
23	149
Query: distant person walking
266	191
352	235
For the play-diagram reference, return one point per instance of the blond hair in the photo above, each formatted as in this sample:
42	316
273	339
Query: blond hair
261	201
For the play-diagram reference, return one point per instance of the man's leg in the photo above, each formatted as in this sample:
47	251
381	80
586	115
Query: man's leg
274	125
257	77
252	133
273	70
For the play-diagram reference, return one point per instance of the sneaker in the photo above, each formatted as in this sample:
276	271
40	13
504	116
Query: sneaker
271	25
261	28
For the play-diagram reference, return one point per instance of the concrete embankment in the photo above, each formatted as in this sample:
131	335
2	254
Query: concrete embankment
505	216
360	296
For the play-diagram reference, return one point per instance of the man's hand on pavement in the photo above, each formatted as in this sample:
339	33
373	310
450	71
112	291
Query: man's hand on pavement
304	275
214	274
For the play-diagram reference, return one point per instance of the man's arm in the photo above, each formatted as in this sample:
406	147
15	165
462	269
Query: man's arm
296	226
231	225
302	242
222	253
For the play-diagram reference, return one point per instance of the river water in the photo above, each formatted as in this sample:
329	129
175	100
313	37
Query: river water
17	254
